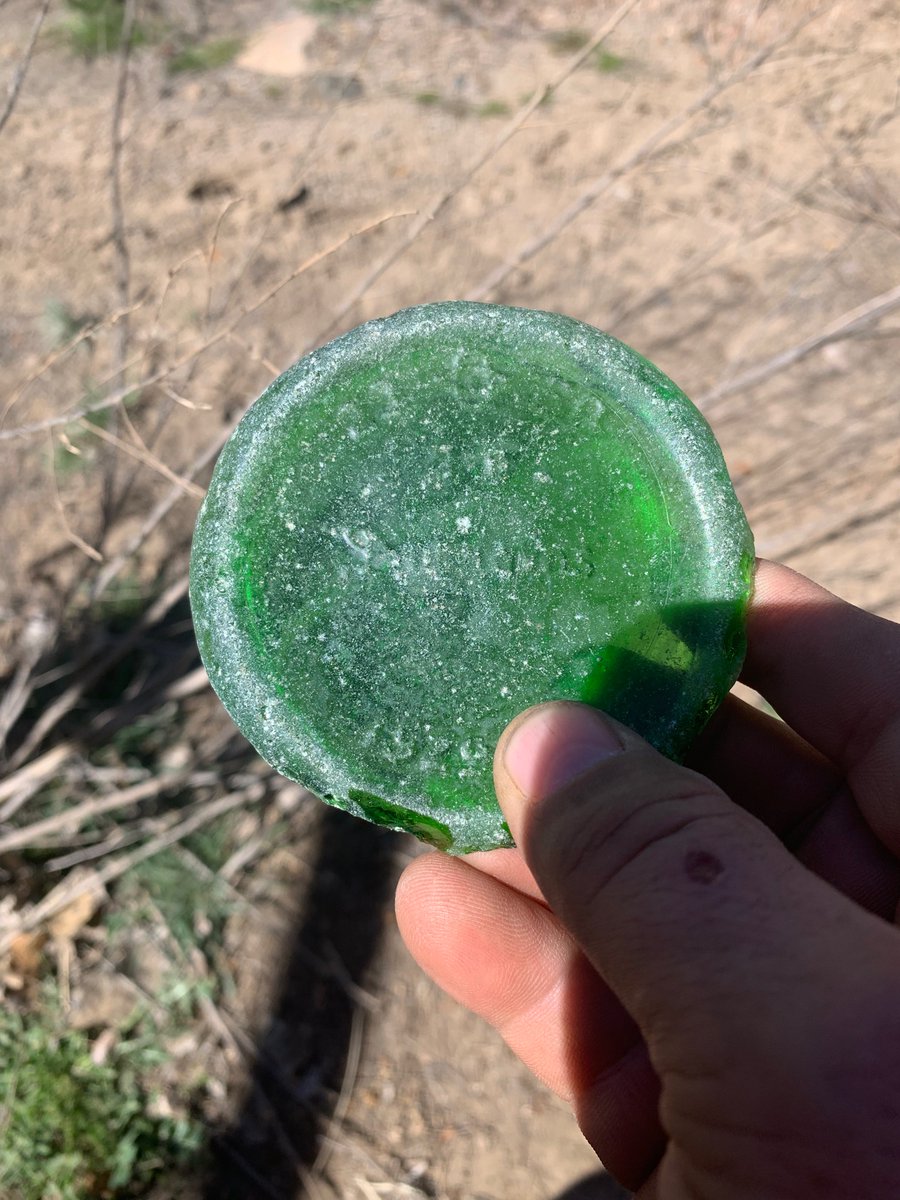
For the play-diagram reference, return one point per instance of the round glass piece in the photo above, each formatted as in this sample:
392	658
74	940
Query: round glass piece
442	518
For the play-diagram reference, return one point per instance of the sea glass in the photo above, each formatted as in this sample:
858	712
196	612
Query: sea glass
444	517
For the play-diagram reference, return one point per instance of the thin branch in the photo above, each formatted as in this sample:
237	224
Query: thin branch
119	394
75	538
70	889
845	326
438	205
121	258
143	456
66	701
817	536
694	266
71	819
84	334
38	770
342	1107
21	71
38	634
658	141
119	240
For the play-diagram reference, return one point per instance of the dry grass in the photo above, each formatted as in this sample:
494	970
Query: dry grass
116	755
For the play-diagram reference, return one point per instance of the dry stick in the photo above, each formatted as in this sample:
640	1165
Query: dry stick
341	1108
816	536
68	891
71	819
438	205
648	149
118	394
143	456
121	260
66	701
75	538
38	770
83	335
119	240
693	267
37	636
844	326
21	71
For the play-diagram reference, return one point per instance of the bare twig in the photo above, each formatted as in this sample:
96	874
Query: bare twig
694	266
143	456
38	635
36	771
72	889
845	326
118	394
66	701
86	333
71	819
75	538
211	255
121	258
21	70
119	240
438	205
658	141
342	1107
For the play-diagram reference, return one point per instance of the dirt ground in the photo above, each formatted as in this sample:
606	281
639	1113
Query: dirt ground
178	238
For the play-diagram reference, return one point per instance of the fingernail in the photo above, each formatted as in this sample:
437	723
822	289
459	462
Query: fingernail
555	745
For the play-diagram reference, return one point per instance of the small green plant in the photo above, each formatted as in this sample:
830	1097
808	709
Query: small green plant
61	323
334	8
607	62
206	56
428	99
568	41
545	102
72	1128
94	27
493	108
182	895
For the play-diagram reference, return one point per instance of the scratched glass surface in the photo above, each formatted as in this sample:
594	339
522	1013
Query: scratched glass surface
443	518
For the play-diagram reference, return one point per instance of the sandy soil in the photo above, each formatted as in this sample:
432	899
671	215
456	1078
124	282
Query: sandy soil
748	234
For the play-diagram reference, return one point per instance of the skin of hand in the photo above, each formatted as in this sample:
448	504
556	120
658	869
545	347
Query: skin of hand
705	965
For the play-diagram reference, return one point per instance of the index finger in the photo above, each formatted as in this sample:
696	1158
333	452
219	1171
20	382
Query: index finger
832	670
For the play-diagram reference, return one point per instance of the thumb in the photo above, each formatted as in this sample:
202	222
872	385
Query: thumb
729	954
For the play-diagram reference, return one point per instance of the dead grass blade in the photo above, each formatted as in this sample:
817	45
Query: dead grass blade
118	394
658	141
94	882
66	701
850	323
15	86
438	205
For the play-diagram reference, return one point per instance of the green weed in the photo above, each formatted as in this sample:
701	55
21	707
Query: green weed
74	1129
336	8
606	62
493	108
181	895
94	27
428	99
568	41
206	56
61	323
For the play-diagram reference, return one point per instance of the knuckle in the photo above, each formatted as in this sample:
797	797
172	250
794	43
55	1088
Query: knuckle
674	835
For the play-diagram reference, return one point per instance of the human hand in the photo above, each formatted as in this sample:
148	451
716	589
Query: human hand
712	983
